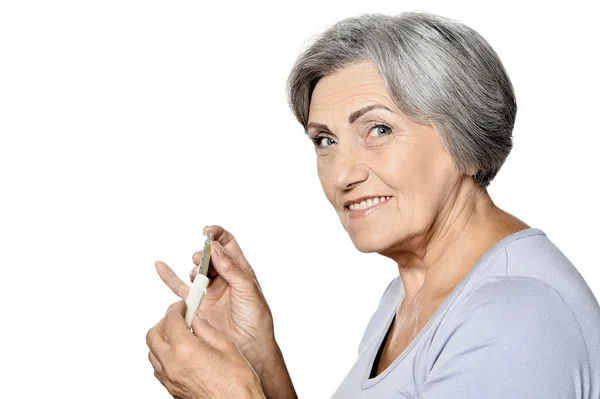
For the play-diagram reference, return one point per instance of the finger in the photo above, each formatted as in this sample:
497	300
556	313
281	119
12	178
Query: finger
168	276
154	335
159	377
203	330
212	273
231	246
155	363
197	257
174	323
157	342
177	307
194	273
228	268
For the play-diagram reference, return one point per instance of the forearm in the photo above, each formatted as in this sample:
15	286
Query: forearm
273	374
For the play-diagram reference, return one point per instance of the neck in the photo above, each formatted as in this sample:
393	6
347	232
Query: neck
468	225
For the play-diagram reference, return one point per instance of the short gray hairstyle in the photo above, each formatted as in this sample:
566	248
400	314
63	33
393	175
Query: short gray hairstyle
437	70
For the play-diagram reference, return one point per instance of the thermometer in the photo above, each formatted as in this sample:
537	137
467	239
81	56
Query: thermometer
198	287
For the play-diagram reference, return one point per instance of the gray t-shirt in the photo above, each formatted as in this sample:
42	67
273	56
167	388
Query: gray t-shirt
522	324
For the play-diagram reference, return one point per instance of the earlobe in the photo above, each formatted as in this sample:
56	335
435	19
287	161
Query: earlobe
473	171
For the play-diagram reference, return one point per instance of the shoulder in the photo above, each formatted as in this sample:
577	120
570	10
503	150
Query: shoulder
515	316
516	304
514	336
505	289
519	294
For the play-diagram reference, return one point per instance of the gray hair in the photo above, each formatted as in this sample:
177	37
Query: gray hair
438	71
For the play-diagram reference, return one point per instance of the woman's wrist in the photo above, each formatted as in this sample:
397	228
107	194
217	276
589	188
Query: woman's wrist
273	374
252	390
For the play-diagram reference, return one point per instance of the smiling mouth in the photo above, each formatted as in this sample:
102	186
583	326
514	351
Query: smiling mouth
366	204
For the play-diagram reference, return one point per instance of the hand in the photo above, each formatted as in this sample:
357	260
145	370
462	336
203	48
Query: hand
234	303
202	364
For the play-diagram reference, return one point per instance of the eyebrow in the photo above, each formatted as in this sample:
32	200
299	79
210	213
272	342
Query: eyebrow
351	119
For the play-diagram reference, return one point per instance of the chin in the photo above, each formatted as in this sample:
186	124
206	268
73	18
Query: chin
368	244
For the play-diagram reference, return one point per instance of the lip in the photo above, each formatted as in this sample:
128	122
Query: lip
364	198
354	214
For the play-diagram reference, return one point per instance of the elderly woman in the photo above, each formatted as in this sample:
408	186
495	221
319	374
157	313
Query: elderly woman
411	117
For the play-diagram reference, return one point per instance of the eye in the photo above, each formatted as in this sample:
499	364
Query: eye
381	130
322	141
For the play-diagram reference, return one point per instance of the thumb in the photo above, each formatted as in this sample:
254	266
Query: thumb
177	307
203	330
227	267
198	322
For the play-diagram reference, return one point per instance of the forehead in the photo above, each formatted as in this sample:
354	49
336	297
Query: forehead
347	88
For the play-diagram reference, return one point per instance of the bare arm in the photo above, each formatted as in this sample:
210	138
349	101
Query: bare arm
274	376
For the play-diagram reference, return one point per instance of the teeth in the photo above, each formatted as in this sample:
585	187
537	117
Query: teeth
368	203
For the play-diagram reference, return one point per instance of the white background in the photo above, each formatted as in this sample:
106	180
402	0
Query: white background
127	126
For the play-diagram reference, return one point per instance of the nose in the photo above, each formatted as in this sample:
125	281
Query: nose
348	171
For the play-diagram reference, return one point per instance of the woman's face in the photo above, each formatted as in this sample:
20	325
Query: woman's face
366	150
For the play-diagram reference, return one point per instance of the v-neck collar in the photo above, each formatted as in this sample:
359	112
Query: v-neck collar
367	382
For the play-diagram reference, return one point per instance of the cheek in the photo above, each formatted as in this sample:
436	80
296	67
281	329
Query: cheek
325	178
431	182
400	170
414	166
418	176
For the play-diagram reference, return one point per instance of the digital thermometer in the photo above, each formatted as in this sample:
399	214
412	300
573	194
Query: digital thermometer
198	287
